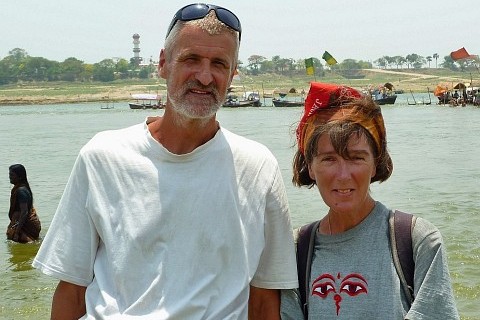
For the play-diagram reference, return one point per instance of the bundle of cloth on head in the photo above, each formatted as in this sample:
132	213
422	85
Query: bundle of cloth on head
327	102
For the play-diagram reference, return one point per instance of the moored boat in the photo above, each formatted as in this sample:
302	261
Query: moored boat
250	99
385	100
241	103
286	103
146	101
283	101
384	94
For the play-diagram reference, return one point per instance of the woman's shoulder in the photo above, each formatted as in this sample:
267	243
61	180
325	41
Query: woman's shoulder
423	226
23	193
426	234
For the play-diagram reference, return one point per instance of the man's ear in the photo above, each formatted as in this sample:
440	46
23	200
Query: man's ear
162	72
233	74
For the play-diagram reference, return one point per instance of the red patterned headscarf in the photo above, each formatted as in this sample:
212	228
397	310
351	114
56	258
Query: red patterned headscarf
328	102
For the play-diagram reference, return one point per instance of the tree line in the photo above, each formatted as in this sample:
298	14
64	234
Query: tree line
18	66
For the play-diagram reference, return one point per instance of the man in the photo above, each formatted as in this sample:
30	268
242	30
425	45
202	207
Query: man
175	218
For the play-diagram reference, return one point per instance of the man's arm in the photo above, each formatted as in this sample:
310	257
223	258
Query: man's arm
264	304
68	302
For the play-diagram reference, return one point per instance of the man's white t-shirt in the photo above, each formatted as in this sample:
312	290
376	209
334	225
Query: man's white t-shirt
167	236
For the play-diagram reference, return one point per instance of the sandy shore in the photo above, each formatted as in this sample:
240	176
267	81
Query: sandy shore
46	93
27	95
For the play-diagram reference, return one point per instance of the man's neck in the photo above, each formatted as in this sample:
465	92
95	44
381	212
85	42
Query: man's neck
180	135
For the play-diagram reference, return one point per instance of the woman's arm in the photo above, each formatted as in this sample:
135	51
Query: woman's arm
433	287
21	220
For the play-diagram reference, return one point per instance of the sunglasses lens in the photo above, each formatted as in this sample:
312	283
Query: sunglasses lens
229	19
193	12
199	11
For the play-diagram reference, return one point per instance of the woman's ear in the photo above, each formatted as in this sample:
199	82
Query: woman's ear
374	171
311	173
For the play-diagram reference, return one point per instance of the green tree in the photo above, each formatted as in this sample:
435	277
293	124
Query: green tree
40	69
365	64
4	72
448	63
429	59
18	55
390	60
267	66
400	61
144	73
254	63
121	68
104	70
15	64
276	63
414	60
71	69
87	73
381	62
436	56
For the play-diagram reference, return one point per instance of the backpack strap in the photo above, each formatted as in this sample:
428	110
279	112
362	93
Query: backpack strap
401	226
305	245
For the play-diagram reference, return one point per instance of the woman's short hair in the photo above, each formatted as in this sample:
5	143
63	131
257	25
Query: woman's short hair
340	132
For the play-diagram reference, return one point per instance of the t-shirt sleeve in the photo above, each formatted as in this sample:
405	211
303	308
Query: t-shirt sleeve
70	245
432	284
290	305
277	268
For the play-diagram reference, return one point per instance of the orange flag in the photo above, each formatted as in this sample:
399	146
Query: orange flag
459	54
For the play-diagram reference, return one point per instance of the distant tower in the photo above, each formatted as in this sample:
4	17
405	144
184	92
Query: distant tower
136	49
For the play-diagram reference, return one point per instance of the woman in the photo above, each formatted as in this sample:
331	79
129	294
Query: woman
342	149
24	224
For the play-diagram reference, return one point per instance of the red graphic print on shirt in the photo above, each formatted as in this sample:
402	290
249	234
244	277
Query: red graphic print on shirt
351	285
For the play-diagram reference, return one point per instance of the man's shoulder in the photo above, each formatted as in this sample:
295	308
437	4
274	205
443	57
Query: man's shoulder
114	139
238	141
114	134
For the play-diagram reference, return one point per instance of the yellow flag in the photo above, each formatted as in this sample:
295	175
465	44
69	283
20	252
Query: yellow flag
309	66
328	58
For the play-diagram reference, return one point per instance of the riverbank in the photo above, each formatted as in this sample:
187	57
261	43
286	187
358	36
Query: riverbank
408	80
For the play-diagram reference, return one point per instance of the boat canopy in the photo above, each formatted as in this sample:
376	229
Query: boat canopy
440	89
146	96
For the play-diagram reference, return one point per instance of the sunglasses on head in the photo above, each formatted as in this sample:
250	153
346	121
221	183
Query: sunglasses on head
200	10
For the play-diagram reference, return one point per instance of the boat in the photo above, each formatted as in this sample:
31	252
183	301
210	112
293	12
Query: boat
445	96
107	103
249	99
384	94
284	102
241	103
146	101
385	99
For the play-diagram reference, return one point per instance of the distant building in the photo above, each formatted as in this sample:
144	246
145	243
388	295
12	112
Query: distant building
136	50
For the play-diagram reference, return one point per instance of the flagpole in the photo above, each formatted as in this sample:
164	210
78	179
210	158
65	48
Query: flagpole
263	94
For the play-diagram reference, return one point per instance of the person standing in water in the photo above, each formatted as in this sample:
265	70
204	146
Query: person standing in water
24	224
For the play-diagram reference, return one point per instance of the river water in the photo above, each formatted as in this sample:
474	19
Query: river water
435	150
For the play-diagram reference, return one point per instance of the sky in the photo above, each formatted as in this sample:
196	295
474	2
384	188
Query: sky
93	30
